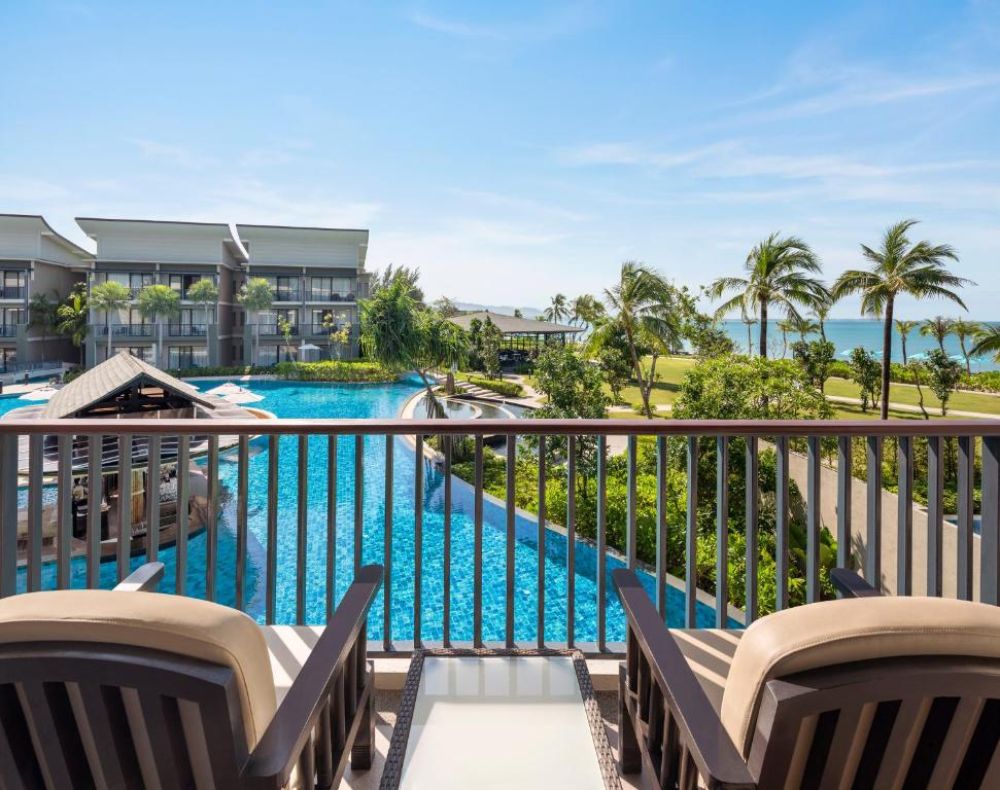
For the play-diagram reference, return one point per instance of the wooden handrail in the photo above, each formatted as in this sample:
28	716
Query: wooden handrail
398	427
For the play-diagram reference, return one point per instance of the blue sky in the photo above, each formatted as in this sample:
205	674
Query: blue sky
514	150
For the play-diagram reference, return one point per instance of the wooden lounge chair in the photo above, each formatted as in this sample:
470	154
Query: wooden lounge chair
866	691
131	688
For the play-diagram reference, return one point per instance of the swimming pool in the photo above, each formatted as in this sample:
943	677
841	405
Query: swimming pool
318	400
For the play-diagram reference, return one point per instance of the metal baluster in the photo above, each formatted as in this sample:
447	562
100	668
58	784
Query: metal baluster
541	541
966	503
273	442
904	533
242	498
446	580
752	484
8	514
873	553
418	536
844	478
65	505
183	508
124	504
661	525
302	531
511	469
212	529
95	457
631	504
34	554
359	501
477	571
782	518
989	547
813	520
387	549
153	496
691	536
721	531
331	525
570	541
935	515
602	540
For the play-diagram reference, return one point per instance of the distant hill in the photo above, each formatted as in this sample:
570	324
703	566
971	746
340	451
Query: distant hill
501	309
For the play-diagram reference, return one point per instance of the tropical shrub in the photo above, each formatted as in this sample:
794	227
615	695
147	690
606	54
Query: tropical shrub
509	389
334	370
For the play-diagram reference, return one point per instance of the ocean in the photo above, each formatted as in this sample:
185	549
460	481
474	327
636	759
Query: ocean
848	333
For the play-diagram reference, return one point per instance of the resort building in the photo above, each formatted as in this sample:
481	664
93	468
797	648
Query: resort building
140	253
317	276
34	260
522	337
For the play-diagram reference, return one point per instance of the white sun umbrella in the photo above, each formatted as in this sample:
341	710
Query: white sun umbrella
43	393
234	393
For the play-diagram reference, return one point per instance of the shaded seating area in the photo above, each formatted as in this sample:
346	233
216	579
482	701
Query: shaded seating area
131	688
865	691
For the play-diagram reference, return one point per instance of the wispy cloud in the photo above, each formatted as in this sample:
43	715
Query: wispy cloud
168	153
630	153
520	205
563	20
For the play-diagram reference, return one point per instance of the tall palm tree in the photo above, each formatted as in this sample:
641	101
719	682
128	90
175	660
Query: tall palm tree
777	273
155	302
109	297
558	310
256	298
42	316
73	317
937	327
821	311
904	328
585	309
965	330
205	293
784	326
802	326
899	267
642	302
750	322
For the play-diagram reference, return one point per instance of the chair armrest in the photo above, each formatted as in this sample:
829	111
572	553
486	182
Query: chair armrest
288	733
850	585
718	760
145	578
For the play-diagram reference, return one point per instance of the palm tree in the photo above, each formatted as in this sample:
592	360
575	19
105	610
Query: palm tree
937	327
73	317
558	310
802	326
155	302
205	293
904	328
821	311
110	297
964	331
42	316
586	309
750	323
784	326
256	298
642	302
777	273
899	267
987	341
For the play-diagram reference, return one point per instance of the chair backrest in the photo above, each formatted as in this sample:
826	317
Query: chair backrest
885	691
128	689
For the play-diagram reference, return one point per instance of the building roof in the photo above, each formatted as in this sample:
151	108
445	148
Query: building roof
509	325
47	230
112	377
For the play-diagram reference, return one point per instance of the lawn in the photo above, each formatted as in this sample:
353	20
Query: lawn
907	394
669	375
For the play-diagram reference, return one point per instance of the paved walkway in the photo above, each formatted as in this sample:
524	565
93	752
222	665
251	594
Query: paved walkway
905	407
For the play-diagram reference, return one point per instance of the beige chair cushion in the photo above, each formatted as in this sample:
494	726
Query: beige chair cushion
174	624
709	654
837	632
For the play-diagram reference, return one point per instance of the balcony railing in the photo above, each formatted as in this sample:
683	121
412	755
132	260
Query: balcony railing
320	295
286	295
273	330
125	330
187	330
13	292
337	456
9	330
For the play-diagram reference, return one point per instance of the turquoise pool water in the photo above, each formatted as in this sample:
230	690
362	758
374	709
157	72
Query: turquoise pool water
314	400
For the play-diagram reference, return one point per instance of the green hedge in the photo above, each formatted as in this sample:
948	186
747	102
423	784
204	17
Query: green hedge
222	370
983	381
334	370
509	389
